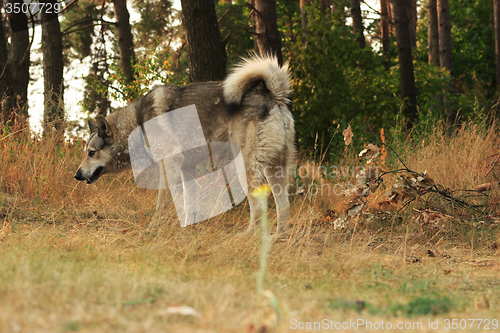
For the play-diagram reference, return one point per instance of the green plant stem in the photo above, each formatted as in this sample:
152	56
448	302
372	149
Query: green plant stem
264	248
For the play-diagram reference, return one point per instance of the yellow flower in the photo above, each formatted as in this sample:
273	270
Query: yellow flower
261	192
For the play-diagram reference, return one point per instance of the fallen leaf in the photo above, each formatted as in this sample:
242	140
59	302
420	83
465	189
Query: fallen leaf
371	151
181	310
348	135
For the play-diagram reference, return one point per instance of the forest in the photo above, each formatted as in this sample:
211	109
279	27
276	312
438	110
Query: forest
394	200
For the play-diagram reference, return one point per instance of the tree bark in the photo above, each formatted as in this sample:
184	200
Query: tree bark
406	73
433	33
125	39
52	70
19	60
445	56
267	35
391	18
496	10
357	22
412	17
6	89
386	39
303	14
206	51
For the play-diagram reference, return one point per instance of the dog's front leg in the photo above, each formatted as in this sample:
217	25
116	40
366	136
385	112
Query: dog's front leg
255	213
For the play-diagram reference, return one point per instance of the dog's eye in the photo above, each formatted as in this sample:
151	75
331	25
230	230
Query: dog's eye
91	153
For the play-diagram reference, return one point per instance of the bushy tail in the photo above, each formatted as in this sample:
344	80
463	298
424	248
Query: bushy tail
249	73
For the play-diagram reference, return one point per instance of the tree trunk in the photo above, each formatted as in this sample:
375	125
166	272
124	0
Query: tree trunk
19	60
206	51
267	34
6	89
412	17
357	22
391	18
52	70
125	39
496	10
406	74
386	39
433	33
303	14
445	56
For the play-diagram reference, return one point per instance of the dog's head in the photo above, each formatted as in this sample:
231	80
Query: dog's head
100	152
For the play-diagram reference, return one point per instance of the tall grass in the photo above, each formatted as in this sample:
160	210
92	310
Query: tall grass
458	161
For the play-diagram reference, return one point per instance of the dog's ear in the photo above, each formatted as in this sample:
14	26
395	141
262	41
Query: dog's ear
92	126
103	128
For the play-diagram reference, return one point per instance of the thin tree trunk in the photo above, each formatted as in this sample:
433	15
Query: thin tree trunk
445	56
496	10
125	39
391	18
406	73
267	34
386	39
52	70
303	14
19	60
357	22
6	89
433	33
206	51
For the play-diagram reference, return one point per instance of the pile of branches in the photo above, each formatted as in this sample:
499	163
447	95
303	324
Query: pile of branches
437	203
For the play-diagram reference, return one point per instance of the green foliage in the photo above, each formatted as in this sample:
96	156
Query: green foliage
424	305
337	83
157	25
473	51
150	71
235	29
473	42
78	28
288	19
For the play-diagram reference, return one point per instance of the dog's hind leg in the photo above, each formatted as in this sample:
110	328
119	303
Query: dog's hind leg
277	178
253	181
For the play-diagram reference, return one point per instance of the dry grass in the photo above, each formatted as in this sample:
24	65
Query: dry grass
77	257
460	161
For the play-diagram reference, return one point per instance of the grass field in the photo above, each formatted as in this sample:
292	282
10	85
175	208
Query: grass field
81	258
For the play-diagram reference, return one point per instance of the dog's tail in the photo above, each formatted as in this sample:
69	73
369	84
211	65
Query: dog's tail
252	71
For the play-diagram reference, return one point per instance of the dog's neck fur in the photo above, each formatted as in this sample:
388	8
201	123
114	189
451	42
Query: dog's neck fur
123	122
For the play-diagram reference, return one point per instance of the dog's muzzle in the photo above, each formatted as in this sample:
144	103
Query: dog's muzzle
97	173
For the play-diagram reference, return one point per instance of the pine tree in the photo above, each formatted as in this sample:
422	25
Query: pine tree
206	51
